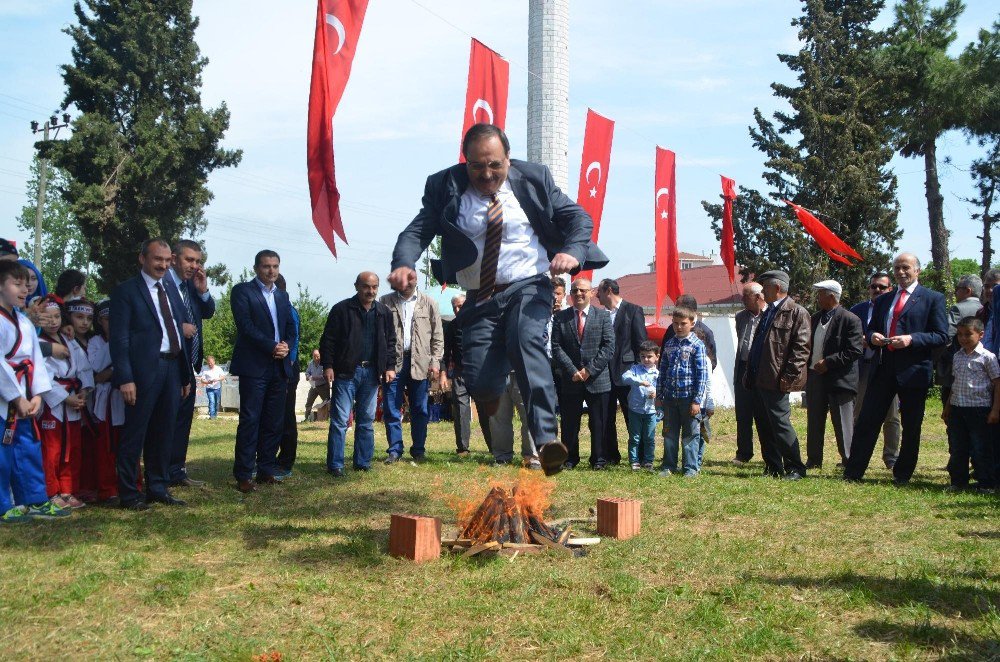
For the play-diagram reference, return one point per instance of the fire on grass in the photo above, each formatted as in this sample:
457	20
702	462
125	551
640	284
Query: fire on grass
510	520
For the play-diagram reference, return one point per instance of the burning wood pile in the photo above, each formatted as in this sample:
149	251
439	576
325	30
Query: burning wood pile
509	522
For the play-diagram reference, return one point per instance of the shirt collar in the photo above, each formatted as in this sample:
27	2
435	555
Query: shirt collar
150	281
913	286
263	288
585	311
504	191
416	294
978	350
173	274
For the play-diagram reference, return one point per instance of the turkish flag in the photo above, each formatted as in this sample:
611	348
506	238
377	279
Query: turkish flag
338	26
594	170
831	244
728	250
486	95
668	264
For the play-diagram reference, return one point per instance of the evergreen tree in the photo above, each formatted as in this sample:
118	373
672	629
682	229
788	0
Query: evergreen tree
924	85
63	244
828	153
143	146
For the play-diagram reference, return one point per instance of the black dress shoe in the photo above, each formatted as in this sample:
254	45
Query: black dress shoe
392	458
165	499
137	505
337	473
552	456
188	482
599	467
246	486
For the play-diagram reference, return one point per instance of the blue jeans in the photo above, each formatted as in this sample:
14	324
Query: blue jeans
679	425
416	396
214	396
360	392
642	438
969	436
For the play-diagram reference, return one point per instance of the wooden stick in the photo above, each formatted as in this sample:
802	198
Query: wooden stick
542	540
564	536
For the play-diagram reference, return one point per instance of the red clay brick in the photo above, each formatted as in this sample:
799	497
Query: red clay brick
618	518
414	537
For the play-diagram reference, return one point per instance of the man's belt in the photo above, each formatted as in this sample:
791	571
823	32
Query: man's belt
25	370
169	356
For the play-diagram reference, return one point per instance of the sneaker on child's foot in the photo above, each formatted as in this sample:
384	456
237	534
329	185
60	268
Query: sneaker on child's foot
60	501
15	515
47	510
648	466
636	466
74	503
665	473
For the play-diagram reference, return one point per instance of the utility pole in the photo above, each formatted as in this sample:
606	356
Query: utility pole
51	124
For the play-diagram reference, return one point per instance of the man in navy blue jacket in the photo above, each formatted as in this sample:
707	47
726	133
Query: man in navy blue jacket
264	333
505	227
152	372
189	277
907	323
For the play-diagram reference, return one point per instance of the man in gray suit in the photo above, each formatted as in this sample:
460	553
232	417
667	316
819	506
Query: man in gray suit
967	292
583	342
747	322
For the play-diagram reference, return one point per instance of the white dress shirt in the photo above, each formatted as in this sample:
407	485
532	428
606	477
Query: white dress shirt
408	307
614	313
155	294
892	306
272	307
521	254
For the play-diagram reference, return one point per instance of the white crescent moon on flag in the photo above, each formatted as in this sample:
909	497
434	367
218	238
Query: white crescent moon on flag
482	104
661	192
594	166
339	28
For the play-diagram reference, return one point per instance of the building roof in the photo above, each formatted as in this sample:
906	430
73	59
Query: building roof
709	285
694	257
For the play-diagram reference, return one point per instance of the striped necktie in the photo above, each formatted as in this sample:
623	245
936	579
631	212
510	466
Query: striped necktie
491	250
196	338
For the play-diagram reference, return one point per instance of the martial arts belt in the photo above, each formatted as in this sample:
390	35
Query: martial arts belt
22	370
72	386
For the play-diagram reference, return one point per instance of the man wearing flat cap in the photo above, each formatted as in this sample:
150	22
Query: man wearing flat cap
777	365
833	373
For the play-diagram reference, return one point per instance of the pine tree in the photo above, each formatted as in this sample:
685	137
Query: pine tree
829	153
924	85
143	146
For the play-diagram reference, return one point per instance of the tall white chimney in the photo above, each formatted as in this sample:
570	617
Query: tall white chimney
548	87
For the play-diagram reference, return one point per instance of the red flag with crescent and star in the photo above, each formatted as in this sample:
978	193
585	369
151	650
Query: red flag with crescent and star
338	26
728	250
668	264
594	170
831	244
486	95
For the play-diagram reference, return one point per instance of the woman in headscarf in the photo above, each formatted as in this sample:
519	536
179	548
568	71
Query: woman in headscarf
36	283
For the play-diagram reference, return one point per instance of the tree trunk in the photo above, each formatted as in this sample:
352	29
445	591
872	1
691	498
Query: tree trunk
988	251
935	214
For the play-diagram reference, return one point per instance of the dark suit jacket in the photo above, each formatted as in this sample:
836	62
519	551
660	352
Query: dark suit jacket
255	330
742	326
923	318
560	224
841	349
136	334
202	310
860	310
630	332
593	353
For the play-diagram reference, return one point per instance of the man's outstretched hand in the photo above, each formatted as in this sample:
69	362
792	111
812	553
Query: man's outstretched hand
563	263
401	277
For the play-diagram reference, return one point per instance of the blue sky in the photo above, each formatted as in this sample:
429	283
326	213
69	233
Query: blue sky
684	75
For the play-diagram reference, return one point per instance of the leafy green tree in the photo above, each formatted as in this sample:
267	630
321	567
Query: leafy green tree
218	334
63	245
829	153
926	88
312	319
960	266
143	146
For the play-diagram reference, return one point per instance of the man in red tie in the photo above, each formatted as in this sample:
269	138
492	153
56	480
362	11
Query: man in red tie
907	323
583	342
505	227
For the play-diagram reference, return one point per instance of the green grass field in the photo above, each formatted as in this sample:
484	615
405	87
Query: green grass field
729	565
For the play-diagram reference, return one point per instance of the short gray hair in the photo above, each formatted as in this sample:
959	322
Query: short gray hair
782	285
754	287
992	276
971	282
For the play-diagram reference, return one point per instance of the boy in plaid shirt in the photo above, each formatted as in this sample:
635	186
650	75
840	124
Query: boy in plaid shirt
972	410
680	390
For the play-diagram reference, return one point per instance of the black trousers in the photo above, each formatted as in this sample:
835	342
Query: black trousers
149	432
262	420
617	400
779	445
289	443
572	412
882	388
182	436
744	415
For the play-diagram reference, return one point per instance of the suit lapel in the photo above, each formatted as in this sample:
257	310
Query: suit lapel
146	296
260	298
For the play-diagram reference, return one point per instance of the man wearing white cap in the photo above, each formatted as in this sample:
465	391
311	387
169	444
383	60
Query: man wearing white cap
833	373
